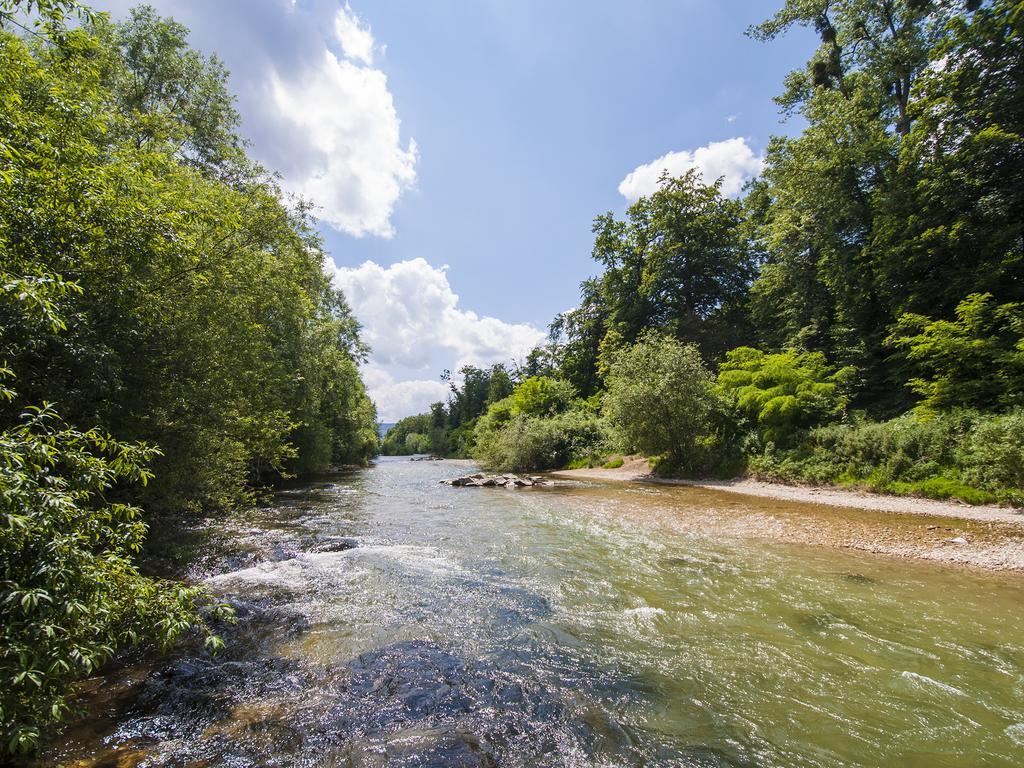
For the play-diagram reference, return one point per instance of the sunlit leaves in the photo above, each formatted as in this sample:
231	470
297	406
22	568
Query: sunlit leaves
783	393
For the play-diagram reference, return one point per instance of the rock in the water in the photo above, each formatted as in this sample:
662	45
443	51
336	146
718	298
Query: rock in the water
494	481
336	545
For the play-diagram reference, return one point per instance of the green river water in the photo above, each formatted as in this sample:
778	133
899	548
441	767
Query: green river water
385	619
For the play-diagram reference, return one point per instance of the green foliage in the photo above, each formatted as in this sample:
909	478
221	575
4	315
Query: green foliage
541	396
782	393
660	399
974	361
993	456
417	443
966	455
524	443
679	264
70	596
396	441
156	285
613	463
202	320
450	428
900	195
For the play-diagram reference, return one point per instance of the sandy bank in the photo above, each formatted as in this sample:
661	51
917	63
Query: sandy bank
638	470
988	537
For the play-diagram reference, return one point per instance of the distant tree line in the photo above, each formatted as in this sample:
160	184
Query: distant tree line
169	339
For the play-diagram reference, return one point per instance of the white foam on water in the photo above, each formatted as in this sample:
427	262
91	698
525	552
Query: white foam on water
1016	733
928	681
644	612
294	574
429	560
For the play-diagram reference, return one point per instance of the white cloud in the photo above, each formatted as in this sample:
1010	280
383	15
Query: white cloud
345	115
339	113
396	399
316	108
356	40
733	160
413	323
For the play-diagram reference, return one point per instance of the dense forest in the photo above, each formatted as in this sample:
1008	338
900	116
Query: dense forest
169	339
855	317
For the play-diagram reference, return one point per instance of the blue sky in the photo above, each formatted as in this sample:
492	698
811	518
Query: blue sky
460	149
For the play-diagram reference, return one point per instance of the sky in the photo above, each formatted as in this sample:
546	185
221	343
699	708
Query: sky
458	150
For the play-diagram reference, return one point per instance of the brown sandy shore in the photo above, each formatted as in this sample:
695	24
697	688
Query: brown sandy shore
987	537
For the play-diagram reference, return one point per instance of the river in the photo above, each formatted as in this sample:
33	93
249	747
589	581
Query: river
385	619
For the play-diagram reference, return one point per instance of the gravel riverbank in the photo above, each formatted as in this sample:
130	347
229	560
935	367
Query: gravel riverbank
988	537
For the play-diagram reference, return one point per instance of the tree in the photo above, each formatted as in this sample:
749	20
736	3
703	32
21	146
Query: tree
541	396
204	322
173	94
975	360
679	264
70	594
660	399
862	218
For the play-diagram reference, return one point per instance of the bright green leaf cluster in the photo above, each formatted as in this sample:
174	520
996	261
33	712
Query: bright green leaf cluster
782	393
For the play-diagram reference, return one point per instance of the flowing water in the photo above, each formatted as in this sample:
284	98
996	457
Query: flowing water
388	620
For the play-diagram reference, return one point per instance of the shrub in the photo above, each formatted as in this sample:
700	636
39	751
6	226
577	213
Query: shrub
526	443
660	400
974	361
613	463
541	396
784	393
70	596
993	455
416	442
963	455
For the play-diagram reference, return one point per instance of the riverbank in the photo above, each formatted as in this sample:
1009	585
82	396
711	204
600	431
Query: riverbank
986	537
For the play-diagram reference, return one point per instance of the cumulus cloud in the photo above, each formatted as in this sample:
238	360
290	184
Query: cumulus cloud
396	399
731	160
413	323
409	309
313	101
356	39
342	115
345	115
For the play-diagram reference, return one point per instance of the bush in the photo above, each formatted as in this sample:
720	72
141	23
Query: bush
660	399
782	394
70	596
993	455
541	396
416	442
974	361
963	455
527	443
613	463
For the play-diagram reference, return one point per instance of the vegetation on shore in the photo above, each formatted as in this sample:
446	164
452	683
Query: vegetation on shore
855	317
169	339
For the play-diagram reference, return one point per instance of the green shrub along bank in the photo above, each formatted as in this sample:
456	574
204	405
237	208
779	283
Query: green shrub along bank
977	458
169	339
